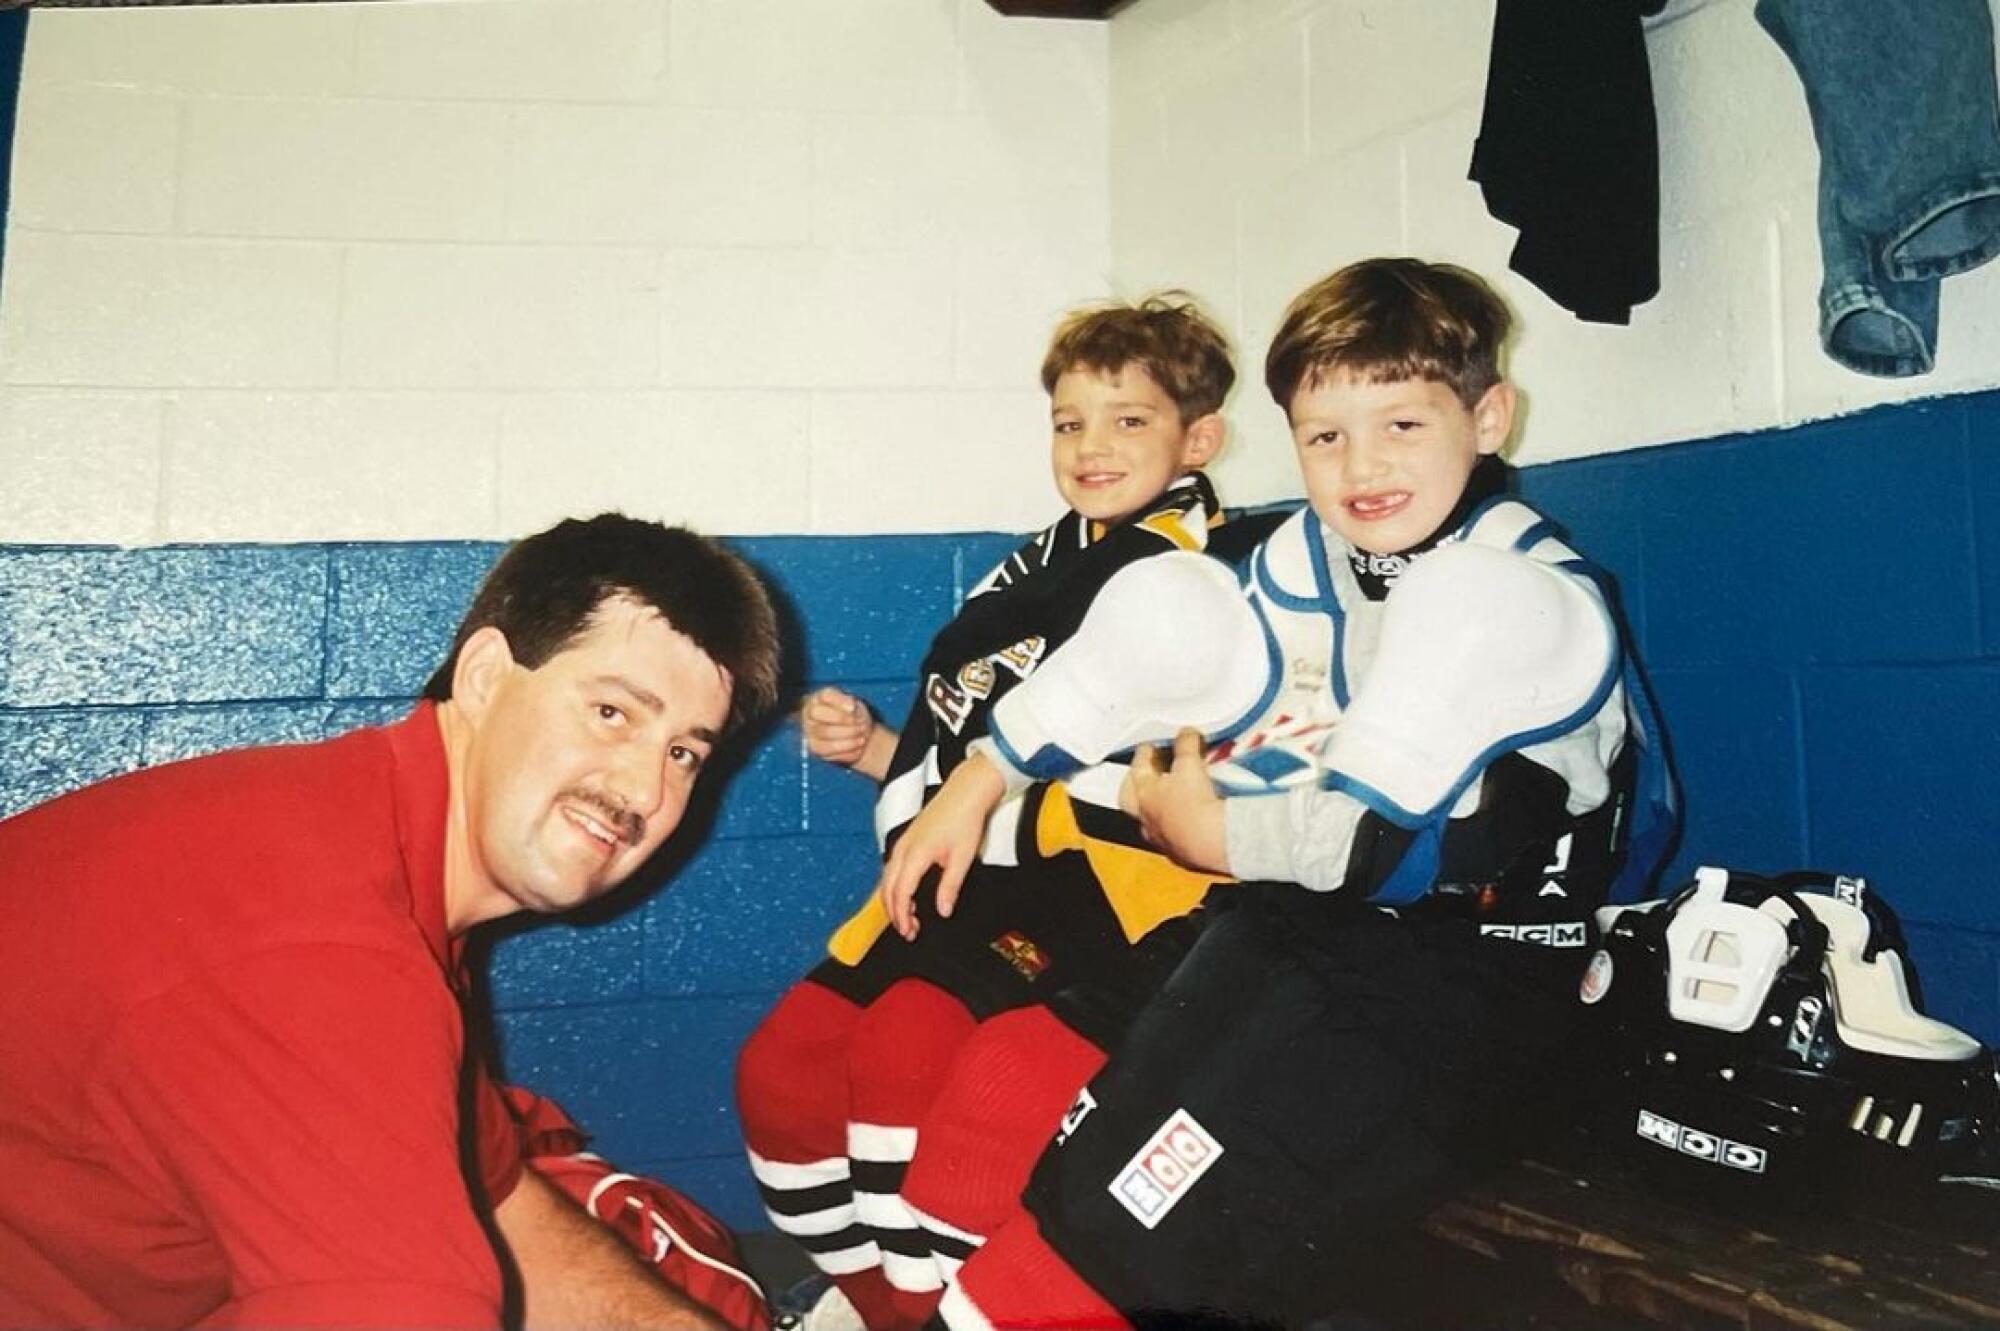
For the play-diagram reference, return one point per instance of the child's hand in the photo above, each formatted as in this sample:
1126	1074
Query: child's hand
1178	808
945	836
840	729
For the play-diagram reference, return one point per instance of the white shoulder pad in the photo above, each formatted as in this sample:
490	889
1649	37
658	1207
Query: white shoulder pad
1482	651
1168	642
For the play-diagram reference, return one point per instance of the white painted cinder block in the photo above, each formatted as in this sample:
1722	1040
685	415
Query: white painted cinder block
88	157
513	50
807	318
725	462
1711	341
931	461
295	50
816	55
1008	303
144	312
884	320
500	318
1732	116
325	466
1382	65
739	318
1238	123
363	169
682	177
1050	76
1164	42
890	182
79	467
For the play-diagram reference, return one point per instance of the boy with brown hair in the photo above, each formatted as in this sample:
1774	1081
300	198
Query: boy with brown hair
1430	760
833	1084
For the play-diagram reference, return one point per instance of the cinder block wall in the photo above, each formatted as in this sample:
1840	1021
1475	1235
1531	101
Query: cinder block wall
443	270
1259	144
1831	690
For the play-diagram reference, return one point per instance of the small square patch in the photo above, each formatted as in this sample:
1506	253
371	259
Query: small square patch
1153	1182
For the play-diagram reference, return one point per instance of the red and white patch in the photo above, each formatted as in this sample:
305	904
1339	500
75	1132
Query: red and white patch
1153	1182
1596	977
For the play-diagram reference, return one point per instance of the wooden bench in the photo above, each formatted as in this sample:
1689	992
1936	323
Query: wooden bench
1576	1238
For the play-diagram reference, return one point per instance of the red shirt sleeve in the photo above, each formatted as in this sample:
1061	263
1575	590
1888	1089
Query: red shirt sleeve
300	1110
495	1136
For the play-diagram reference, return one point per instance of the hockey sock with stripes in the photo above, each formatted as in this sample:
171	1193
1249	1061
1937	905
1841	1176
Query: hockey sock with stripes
791	1091
1005	1098
902	1048
1017	1281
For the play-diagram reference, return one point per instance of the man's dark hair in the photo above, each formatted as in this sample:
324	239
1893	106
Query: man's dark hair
547	588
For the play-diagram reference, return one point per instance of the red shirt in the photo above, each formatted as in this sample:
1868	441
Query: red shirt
231	1048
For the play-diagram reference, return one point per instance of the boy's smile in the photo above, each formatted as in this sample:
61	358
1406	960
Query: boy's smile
1118	441
1385	463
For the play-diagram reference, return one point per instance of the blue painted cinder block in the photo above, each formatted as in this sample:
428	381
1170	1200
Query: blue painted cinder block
1983	486
761	792
977	554
45	754
189	732
342	717
653	1079
1733	734
173	625
1960	973
862	601
588	957
1596	502
1900	765
394	610
722	1183
749	917
1780	548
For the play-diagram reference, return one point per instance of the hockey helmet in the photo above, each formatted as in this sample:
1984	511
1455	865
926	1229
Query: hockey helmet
1768	1032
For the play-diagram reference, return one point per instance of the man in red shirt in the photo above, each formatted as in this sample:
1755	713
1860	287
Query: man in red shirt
233	1081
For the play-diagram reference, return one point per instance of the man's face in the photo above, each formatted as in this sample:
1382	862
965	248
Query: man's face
579	769
1117	441
1385	463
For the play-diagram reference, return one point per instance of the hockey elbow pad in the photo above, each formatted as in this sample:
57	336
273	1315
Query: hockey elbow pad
1168	642
1482	651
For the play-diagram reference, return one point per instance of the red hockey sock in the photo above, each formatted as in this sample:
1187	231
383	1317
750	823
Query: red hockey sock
1003	1101
878	1303
1017	1282
903	1044
791	1088
791	1078
902	1047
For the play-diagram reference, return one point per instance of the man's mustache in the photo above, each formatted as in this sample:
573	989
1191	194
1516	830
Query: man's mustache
629	826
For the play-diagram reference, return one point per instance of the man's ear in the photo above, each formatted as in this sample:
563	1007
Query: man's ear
1493	417
1203	439
483	665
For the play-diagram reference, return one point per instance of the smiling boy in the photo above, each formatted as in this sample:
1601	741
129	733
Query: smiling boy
231	1071
833	1083
1430	761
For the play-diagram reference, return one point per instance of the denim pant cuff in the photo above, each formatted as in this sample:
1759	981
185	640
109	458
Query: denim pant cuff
1860	328
1971	237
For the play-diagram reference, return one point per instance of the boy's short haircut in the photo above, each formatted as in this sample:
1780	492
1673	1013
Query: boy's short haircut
1384	320
1166	333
